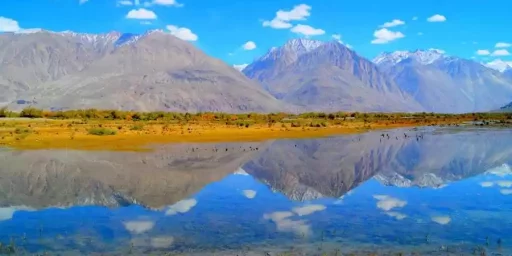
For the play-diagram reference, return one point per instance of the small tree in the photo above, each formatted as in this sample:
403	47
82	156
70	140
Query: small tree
31	112
4	112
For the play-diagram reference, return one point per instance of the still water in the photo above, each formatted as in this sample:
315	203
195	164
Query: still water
434	191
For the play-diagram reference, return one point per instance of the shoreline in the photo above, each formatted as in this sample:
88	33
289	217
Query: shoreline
138	136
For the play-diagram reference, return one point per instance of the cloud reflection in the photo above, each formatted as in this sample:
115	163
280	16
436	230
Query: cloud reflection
182	206
138	227
443	220
308	209
396	215
387	203
285	224
249	193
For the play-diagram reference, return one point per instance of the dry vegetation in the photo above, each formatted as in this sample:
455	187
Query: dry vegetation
121	130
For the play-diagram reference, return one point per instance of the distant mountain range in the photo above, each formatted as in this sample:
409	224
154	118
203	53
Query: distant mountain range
157	71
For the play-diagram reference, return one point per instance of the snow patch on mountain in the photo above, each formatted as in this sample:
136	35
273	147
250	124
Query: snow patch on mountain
499	65
424	57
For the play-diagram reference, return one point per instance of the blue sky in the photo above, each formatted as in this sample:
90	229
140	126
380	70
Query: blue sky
222	27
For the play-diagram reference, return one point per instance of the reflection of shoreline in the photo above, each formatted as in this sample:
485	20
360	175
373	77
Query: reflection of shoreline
44	178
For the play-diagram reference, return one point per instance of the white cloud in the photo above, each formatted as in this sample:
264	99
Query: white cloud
500	52
506	192
182	33
182	206
249	194
387	203
164	3
307	30
502	45
436	18
8	25
141	14
392	23
486	184
125	2
384	36
138	227
396	215
249	45
82	1
483	52
283	18
437	50
162	241
241	67
504	183
308	209
443	220
336	37
414	18
284	224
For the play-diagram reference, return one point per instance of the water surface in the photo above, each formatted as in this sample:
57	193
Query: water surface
429	191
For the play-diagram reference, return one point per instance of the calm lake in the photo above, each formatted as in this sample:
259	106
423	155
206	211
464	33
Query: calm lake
429	191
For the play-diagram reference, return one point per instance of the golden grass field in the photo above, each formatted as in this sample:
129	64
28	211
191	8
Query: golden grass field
122	135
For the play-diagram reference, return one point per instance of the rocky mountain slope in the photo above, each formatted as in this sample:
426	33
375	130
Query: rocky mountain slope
448	84
153	71
44	178
327	76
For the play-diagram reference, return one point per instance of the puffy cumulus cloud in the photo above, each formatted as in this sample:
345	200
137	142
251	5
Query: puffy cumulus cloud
285	224
483	52
443	220
241	67
138	227
283	18
504	183
182	206
384	36
392	23
249	193
486	184
436	18
387	203
500	52
307	30
308	209
162	241
249	45
502	45
506	192
8	25
141	14
182	33
396	215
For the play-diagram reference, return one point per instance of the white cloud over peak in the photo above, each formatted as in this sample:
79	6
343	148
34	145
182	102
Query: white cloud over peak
141	14
163	3
436	18
308	209
500	52
182	33
502	45
182	206
249	45
501	66
241	67
483	52
8	25
283	18
336	37
307	30
384	36
392	23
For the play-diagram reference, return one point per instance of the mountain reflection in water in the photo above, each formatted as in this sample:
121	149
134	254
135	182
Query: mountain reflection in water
429	191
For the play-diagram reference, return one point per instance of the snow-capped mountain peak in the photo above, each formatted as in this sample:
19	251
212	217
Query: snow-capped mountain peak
424	57
301	45
499	65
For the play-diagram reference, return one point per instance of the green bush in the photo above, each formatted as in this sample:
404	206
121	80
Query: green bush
31	112
22	130
4	112
101	131
137	127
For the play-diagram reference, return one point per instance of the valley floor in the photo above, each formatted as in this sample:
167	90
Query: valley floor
121	135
